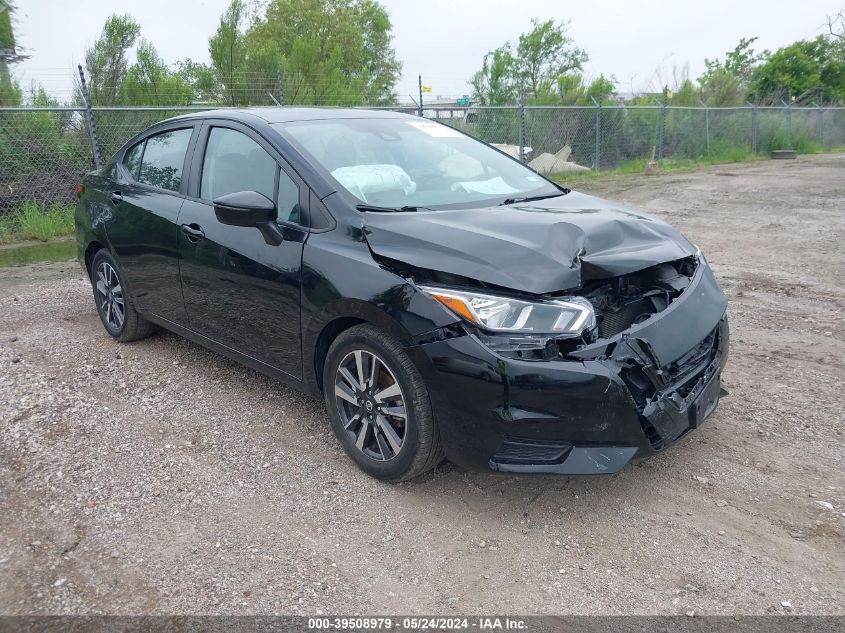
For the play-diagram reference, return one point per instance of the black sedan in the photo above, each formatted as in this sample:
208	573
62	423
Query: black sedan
443	298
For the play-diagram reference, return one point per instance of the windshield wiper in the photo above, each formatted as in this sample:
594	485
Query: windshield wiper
377	209
532	198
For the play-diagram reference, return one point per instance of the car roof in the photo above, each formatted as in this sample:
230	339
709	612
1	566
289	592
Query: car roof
291	114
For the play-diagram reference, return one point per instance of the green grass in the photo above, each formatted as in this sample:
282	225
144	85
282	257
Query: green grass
35	252
666	165
34	221
720	156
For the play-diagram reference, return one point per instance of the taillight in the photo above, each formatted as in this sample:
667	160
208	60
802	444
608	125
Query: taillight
80	189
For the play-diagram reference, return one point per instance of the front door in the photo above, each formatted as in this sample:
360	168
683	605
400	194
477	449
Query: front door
239	290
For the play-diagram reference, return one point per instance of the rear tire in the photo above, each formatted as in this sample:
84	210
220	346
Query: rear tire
382	417
114	305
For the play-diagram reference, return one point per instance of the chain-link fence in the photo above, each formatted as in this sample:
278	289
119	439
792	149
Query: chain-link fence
44	151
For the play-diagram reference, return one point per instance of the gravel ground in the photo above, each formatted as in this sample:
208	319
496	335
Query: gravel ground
158	477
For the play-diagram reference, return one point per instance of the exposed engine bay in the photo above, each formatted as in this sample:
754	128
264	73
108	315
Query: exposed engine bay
630	299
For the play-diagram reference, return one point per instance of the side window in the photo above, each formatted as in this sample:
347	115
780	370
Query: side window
288	204
163	158
234	162
132	159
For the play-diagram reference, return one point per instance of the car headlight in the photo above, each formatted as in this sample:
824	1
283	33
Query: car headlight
555	317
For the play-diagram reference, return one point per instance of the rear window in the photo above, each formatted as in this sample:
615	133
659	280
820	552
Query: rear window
164	155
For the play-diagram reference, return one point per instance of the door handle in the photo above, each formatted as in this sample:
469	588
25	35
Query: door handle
193	232
116	197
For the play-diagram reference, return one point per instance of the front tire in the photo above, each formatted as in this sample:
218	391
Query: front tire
378	405
114	305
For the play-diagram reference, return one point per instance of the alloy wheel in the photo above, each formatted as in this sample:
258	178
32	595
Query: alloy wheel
371	405
110	296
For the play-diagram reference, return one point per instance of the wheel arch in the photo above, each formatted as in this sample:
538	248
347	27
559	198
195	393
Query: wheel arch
337	319
93	247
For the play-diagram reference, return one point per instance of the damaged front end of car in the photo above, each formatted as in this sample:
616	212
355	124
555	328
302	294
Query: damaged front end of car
583	334
639	368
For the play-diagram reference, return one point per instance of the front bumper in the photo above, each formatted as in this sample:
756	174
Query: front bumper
625	397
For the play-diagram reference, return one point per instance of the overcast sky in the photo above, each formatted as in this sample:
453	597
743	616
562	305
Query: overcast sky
638	42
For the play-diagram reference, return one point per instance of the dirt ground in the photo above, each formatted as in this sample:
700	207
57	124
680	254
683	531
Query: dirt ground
158	477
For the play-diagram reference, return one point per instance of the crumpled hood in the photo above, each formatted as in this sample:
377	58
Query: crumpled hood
538	247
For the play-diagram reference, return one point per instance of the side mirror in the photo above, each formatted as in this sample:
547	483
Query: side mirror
250	209
244	208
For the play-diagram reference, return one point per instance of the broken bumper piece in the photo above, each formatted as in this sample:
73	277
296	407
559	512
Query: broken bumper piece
623	398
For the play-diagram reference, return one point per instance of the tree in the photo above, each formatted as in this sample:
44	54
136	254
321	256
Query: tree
10	91
544	54
228	52
811	70
331	52
151	82
532	68
496	83
106	62
836	25
725	83
310	52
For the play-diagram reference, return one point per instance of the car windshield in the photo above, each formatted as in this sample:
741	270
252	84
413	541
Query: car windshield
396	163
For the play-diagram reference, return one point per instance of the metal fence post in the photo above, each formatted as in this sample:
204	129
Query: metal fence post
707	127
789	121
419	108
89	119
280	86
753	128
521	114
820	126
662	125
597	161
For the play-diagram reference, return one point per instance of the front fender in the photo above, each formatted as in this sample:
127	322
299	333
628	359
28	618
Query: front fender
341	280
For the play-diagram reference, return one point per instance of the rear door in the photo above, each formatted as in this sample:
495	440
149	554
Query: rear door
146	199
239	290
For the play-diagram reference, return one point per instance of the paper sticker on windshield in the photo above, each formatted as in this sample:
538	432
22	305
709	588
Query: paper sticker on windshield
435	129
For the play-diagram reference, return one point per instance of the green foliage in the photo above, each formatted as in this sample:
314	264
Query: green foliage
687	94
544	54
7	36
572	91
10	91
33	221
302	52
331	52
535	67
106	64
227	49
811	70
150	81
496	83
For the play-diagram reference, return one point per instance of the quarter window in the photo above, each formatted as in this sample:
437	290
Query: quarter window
132	159
234	162
163	158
